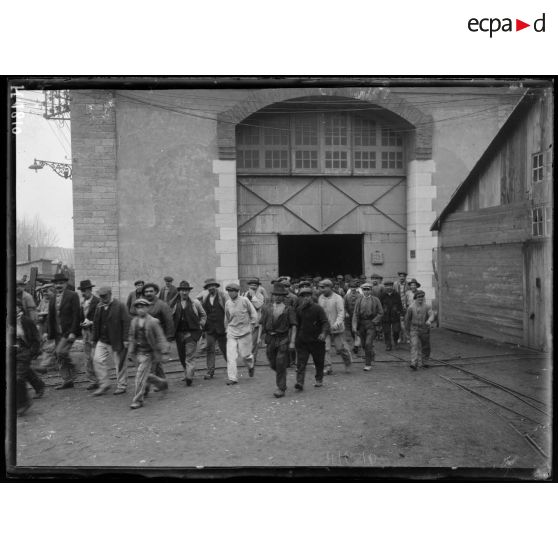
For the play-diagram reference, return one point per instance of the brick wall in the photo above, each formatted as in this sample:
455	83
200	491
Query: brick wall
94	188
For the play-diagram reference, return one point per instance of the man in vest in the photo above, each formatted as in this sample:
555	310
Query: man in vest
279	328
393	310
87	313
213	301
418	320
189	318
367	315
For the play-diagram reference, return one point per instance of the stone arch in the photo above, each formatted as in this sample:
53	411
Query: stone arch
384	97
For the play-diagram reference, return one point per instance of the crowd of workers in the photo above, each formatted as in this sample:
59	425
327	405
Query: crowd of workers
298	319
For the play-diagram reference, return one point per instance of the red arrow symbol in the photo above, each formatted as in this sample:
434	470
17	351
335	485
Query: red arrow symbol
519	25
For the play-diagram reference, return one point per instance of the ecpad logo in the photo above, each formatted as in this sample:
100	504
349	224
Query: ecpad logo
494	24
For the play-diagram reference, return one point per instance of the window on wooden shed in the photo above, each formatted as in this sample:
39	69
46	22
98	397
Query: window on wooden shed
538	167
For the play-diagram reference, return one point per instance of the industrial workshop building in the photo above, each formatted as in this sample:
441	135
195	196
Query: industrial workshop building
495	235
233	183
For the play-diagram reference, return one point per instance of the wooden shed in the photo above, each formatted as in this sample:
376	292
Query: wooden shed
495	234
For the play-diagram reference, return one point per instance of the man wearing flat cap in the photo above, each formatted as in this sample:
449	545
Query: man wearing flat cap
401	288
27	301
334	308
168	292
213	301
111	325
63	327
256	297
189	320
279	330
134	295
367	316
240	318
350	299
87	312
418	320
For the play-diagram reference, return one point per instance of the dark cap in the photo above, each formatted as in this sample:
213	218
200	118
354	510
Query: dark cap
60	277
85	284
253	281
168	278
184	286
388	283
279	289
151	286
419	293
305	290
402	273
139	282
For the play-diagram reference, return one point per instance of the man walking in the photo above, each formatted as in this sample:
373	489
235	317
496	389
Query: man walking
393	310
169	292
87	313
111	325
350	301
334	308
147	341
134	295
279	330
311	332
63	327
418	319
240	318
255	296
27	301
160	310
213	302
367	315
401	288
189	318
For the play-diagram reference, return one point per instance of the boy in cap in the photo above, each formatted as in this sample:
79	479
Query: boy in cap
189	319
147	341
240	318
334	308
418	319
213	301
134	295
279	328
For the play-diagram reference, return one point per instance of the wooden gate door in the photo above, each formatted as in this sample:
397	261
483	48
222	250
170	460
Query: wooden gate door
538	294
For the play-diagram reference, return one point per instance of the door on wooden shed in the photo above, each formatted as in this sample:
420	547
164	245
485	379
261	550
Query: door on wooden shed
538	294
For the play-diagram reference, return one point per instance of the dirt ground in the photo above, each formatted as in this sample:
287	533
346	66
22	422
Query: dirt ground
388	417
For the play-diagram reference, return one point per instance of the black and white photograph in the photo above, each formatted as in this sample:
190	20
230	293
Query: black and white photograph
281	277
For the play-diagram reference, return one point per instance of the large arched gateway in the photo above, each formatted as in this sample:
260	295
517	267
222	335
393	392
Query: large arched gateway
321	188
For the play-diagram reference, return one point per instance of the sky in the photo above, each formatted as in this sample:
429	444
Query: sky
43	192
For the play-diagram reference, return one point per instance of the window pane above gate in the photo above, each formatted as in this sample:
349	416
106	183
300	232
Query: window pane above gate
364	132
335	129
306	130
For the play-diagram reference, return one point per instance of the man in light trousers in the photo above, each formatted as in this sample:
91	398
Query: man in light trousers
240	318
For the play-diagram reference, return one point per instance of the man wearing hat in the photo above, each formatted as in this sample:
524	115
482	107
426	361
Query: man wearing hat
418	320
311	332
350	299
27	301
134	295
240	318
213	301
377	287
169	292
334	308
111	325
366	317
414	285
87	312
393	311
255	296
63	326
147	341
160	310
279	330
401	288
189	319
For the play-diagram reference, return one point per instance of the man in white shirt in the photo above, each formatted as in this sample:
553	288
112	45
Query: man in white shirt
334	307
240	318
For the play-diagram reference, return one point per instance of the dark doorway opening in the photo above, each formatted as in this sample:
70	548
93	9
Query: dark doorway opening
326	255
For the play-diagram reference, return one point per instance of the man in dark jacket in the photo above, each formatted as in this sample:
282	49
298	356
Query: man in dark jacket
87	312
27	346
393	310
279	330
63	327
189	319
367	315
169	293
213	302
110	338
133	296
312	329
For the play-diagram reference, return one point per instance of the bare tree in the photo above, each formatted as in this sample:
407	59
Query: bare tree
35	233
